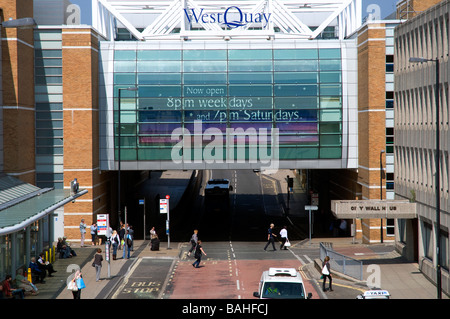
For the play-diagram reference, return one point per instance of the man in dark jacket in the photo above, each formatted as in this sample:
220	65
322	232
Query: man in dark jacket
36	270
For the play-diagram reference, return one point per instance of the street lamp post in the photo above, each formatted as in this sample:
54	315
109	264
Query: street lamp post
437	177
119	135
381	192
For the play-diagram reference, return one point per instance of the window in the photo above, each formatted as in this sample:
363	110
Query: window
444	250
427	238
298	91
390	227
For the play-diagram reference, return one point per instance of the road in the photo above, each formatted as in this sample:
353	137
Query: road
233	239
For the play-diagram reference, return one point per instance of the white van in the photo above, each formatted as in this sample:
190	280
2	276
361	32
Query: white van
281	283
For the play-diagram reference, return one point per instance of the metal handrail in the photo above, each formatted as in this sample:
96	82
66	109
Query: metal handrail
341	263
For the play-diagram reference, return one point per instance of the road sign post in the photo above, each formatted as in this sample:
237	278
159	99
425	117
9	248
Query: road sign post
310	208
103	230
142	202
164	209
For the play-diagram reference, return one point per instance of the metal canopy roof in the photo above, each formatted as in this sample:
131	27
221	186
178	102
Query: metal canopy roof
214	19
12	188
22	204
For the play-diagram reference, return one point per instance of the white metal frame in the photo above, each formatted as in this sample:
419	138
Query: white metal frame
286	17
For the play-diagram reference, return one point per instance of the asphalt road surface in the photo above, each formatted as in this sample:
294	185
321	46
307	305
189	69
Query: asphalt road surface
233	238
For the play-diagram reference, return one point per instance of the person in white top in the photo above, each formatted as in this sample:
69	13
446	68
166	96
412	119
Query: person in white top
284	238
82	231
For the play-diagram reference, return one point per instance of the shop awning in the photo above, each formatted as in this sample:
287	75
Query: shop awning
349	209
22	204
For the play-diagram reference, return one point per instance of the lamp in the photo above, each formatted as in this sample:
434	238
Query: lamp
381	192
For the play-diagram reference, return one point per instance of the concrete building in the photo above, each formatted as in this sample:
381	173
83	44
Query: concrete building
426	35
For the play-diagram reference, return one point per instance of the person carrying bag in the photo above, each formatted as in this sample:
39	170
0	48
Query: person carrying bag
76	285
326	273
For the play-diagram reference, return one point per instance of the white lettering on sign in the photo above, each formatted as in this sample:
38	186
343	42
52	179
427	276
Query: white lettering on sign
233	17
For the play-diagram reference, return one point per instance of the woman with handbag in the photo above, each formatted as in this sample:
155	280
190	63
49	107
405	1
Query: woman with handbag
76	285
98	258
326	272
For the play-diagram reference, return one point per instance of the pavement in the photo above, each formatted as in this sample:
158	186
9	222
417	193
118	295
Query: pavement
401	278
111	274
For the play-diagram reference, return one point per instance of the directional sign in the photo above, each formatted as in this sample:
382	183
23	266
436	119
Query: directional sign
102	224
307	207
163	206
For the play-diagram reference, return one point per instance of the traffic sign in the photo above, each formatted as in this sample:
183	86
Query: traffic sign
102	224
163	206
311	207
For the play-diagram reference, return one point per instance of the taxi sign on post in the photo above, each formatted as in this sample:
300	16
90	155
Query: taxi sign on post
163	206
102	224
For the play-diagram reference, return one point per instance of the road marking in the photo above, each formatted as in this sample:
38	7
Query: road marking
298	258
238	283
308	259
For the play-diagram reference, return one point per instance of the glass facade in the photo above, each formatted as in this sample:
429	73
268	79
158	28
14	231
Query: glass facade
297	91
49	108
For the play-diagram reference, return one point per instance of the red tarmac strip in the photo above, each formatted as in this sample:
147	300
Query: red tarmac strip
226	279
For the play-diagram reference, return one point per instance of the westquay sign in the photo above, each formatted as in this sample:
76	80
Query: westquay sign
233	17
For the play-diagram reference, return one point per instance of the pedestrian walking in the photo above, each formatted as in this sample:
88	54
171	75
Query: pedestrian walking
128	244
121	235
284	238
194	239
93	233
326	273
82	231
131	233
271	237
115	240
154	240
73	285
198	254
98	258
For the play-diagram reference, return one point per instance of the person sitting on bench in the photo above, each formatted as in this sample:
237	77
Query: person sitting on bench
36	271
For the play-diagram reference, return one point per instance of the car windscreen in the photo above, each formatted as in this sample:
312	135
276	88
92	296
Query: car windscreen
283	290
218	183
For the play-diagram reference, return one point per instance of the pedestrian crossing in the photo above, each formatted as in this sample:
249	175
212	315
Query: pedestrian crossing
254	250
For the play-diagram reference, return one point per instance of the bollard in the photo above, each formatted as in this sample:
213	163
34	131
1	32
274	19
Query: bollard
46	255
50	255
29	275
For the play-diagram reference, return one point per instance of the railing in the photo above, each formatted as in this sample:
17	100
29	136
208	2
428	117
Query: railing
340	263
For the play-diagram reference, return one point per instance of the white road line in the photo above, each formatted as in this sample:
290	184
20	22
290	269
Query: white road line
301	260
308	259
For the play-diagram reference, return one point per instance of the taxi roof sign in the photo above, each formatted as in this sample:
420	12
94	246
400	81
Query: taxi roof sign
374	293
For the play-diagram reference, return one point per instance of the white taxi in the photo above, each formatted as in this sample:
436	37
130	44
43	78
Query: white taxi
281	283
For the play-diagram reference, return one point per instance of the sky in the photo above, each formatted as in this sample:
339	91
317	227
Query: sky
386	6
